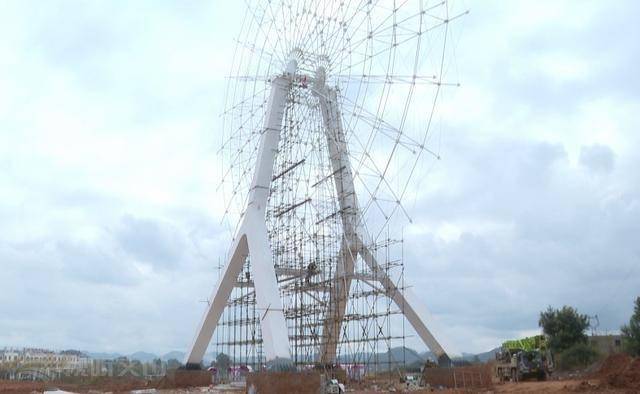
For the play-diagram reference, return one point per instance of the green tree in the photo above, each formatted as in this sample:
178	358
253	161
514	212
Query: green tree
631	331
172	363
565	327
577	356
223	362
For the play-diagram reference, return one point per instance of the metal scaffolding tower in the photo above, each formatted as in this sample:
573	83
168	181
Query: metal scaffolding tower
306	279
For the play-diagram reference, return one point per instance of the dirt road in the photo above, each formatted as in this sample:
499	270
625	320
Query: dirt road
558	386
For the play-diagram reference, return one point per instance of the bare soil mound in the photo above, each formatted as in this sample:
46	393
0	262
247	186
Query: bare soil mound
612	365
629	377
621	371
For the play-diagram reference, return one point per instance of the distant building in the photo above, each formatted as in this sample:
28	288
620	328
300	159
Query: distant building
71	360
606	344
9	356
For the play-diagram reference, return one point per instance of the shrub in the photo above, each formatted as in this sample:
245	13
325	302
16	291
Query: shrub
631	332
577	356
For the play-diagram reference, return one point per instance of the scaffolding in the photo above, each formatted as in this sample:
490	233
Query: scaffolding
328	115
305	227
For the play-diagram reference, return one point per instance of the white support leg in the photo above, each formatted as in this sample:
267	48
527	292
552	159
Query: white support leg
252	240
275	337
338	304
355	234
410	305
348	209
218	301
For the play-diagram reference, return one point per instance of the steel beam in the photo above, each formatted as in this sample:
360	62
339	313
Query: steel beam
355	236
337	304
252	240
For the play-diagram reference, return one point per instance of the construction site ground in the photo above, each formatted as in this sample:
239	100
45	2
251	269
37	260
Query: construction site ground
616	374
560	386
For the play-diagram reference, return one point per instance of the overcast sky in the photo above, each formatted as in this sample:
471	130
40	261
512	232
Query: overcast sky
109	222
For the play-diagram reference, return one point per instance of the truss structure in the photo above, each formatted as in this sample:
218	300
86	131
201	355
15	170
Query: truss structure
314	275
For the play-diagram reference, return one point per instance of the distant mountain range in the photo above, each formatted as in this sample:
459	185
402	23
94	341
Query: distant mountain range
175	355
396	355
143	356
483	357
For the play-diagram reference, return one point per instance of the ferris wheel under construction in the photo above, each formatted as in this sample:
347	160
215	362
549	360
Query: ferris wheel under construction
329	115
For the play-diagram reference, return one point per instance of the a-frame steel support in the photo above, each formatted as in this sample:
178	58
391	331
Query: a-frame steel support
354	240
252	240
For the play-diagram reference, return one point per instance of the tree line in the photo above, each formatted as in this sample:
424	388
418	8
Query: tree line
566	327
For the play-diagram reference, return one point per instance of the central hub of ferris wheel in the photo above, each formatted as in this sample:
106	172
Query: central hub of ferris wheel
303	232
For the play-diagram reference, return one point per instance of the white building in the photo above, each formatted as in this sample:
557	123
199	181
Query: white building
65	360
9	356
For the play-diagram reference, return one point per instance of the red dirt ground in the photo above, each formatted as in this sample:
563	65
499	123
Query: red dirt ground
620	371
617	374
115	385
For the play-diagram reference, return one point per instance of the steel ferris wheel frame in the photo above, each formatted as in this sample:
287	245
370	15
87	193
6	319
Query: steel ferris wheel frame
251	239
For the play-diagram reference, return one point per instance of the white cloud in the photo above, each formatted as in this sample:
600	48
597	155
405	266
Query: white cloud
597	158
